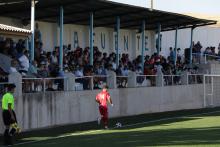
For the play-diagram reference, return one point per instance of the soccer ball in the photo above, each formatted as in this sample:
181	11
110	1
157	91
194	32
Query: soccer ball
118	125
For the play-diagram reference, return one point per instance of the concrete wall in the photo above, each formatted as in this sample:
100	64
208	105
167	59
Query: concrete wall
56	108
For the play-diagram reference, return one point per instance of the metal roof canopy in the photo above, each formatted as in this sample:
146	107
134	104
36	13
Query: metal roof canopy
10	30
105	13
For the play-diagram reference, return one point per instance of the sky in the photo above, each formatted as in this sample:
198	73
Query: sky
209	7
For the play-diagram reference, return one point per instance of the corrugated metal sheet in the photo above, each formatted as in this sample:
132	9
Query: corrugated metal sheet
14	29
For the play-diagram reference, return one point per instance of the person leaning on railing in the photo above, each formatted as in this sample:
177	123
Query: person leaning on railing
139	71
43	73
99	70
88	71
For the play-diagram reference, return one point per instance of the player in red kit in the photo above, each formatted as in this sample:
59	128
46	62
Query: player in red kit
102	99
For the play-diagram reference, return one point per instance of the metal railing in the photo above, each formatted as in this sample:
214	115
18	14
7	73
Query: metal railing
122	81
170	80
204	58
97	81
90	82
195	78
42	84
146	80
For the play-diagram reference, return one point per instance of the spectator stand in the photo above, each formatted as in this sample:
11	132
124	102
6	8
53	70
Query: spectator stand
57	62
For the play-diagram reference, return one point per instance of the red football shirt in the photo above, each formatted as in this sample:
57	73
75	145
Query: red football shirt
103	97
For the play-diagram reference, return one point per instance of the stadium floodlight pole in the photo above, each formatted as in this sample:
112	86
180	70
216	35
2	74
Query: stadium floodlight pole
32	29
91	31
159	39
143	44
175	49
191	46
61	40
117	40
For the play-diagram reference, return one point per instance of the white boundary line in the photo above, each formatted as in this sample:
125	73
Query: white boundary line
93	131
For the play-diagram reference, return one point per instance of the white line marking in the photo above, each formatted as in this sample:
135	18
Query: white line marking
124	126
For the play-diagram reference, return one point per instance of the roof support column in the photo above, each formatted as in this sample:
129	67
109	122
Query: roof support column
191	46
175	49
143	44
27	44
91	31
32	29
61	40
159	39
117	40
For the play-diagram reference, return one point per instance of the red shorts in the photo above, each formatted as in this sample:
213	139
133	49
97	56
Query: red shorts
103	111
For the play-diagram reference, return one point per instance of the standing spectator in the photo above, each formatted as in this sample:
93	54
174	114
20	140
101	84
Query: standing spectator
37	34
172	55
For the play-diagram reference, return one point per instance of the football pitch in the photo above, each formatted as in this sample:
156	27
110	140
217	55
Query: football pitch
176	129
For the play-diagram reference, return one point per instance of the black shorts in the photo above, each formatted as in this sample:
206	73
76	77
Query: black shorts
7	117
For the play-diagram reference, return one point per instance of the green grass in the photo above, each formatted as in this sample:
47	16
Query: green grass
196	129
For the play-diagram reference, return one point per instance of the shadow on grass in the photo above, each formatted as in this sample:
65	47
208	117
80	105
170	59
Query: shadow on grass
169	137
46	134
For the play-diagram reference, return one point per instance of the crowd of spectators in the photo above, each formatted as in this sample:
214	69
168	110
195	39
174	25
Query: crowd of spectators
210	52
76	61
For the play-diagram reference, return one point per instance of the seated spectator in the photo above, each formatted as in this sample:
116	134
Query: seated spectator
24	63
79	71
54	58
43	72
13	67
125	71
33	69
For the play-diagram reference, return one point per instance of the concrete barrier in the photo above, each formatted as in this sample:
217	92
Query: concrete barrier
37	110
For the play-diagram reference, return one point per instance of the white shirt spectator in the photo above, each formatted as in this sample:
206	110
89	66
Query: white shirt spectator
12	70
114	65
79	73
159	69
24	62
54	59
125	72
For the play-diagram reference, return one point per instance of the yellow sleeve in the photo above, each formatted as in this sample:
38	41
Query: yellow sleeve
10	99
